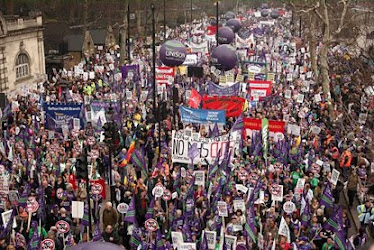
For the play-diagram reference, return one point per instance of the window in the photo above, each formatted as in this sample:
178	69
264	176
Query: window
3	70
22	66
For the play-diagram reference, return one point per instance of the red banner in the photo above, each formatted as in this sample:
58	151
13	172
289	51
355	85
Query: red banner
232	104
211	30
195	99
259	88
163	74
255	124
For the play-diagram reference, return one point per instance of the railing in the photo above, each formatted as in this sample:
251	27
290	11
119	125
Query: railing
21	23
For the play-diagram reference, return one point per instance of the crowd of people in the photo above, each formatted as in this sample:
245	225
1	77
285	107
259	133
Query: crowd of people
277	190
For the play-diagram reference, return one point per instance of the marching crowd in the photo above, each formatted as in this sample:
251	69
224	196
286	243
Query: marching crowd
277	190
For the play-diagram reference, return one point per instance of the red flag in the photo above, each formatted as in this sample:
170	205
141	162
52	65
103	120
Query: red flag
195	99
73	181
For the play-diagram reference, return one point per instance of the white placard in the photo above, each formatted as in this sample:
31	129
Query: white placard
335	176
300	186
77	209
278	197
222	209
177	239
92	75
199	178
230	242
300	98
317	98
158	191
241	188
211	238
287	94
76	123
187	246
316	130
289	207
319	162
239	205
6	217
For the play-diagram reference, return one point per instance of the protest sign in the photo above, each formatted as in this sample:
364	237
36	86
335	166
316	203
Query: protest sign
187	246
260	88
239	205
222	209
278	195
208	147
163	74
335	176
300	186
211	238
177	239
77	209
230	242
289	207
60	114
199	178
5	216
216	90
202	116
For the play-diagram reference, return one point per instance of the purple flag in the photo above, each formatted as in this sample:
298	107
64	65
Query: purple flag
327	199
130	215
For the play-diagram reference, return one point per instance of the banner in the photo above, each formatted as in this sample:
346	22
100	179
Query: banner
233	104
265	136
164	75
208	147
202	116
131	71
198	47
60	115
259	89
191	59
216	90
255	70
195	99
99	110
244	43
255	124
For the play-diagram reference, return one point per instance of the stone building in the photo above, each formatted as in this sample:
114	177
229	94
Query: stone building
22	60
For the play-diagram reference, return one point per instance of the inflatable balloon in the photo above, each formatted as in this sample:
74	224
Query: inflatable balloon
225	35
230	15
173	53
96	246
264	6
274	14
234	24
264	12
224	57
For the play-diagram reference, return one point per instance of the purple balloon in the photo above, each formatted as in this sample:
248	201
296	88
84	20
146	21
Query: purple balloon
274	14
234	24
173	53
230	15
224	57
96	246
264	6
264	12
225	35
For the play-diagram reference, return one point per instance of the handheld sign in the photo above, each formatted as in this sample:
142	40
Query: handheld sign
242	175
289	207
151	225
122	208
158	191
47	244
62	226
31	205
96	188
166	196
275	189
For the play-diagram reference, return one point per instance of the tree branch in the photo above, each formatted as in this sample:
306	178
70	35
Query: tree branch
320	16
342	17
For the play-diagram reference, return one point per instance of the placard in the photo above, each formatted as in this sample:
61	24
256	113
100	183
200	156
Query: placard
177	239
289	207
151	225
279	195
77	209
230	242
300	186
211	238
300	98
335	176
6	217
187	246
239	205
287	94
241	188
62	226
158	191
222	209
199	178
317	98
47	244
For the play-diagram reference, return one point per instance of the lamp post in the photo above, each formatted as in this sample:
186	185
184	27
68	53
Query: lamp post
154	63
164	21
128	32
191	12
217	9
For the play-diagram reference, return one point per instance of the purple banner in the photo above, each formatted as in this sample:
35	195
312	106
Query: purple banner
132	69
99	113
216	90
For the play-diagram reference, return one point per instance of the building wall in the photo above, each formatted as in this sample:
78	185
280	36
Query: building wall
25	37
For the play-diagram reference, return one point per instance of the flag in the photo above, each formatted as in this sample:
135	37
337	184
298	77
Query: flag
8	227
34	243
215	131
150	210
306	215
284	230
335	222
187	230
327	199
249	227
159	242
130	215
177	183
23	198
135	239
239	124
195	99
138	159
213	169
265	135
204	243
340	240
131	149
97	234
41	213
85	219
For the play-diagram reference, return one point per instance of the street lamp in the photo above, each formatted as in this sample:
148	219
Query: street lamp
164	21
217	21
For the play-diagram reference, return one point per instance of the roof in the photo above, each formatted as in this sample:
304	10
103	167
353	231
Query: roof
75	42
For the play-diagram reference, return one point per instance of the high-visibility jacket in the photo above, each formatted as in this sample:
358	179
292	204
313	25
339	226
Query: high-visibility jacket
334	153
345	159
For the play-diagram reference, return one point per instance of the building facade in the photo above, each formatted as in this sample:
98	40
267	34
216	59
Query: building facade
22	60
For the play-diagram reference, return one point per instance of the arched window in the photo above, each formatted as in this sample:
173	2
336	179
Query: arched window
22	66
